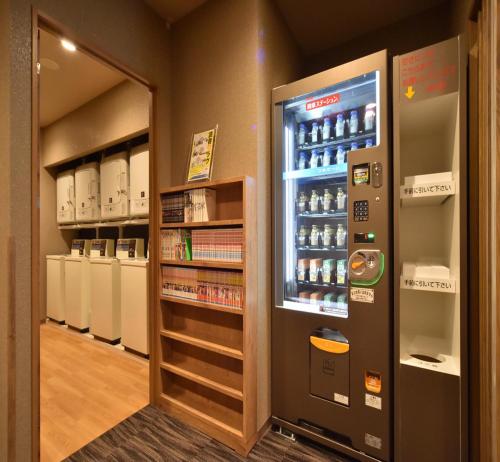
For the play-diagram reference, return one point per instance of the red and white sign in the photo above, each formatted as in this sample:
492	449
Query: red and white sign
321	102
429	72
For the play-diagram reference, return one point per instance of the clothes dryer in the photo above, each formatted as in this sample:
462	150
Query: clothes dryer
115	187
65	188
139	181
88	199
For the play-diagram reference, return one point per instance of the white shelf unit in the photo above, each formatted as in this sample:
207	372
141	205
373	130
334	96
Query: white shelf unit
429	230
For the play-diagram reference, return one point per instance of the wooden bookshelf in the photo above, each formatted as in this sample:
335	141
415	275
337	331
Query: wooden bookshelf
207	355
204	264
208	306
204	224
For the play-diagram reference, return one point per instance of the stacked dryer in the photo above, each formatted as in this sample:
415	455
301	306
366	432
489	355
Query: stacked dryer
88	199
139	181
115	187
65	187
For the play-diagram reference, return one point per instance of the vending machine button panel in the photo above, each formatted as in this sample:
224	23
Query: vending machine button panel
361	212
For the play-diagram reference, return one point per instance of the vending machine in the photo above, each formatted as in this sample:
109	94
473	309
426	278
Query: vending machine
332	299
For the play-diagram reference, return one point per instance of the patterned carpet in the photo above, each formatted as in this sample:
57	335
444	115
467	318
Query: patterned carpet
150	435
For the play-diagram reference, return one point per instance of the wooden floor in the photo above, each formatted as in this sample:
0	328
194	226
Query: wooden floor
150	435
86	388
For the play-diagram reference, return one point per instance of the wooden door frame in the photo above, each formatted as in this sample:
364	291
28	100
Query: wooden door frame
43	21
485	249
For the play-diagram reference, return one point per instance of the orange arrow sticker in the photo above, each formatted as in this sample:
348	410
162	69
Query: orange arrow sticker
410	92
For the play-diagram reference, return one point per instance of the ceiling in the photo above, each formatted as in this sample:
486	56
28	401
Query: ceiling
173	10
323	24
69	79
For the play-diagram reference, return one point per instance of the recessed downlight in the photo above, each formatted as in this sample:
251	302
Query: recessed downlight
67	45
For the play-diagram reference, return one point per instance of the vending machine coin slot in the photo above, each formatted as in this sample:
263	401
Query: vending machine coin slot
366	267
329	365
377	174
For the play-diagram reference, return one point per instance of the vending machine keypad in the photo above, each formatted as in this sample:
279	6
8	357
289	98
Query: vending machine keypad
361	211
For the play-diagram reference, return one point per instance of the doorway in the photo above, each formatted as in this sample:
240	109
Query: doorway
93	167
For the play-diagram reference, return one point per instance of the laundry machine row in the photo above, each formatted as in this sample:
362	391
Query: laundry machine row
116	188
91	289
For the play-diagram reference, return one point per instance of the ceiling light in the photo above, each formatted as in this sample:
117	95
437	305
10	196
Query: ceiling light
67	45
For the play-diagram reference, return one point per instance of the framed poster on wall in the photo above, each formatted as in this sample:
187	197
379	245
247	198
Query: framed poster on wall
202	156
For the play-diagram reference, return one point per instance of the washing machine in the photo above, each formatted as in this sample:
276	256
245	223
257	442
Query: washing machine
56	306
115	187
77	285
134	305
105	308
139	181
87	195
65	191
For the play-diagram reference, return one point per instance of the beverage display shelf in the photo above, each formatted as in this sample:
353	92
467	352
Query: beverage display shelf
323	215
322	249
319	284
336	141
330	171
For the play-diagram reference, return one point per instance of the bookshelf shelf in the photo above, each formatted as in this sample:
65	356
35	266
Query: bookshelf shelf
204	224
179	397
187	337
206	361
204	264
195	376
198	304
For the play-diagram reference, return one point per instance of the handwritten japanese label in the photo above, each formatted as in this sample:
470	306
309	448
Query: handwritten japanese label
321	102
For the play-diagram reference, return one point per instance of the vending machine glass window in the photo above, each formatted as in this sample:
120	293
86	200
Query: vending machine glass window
320	130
